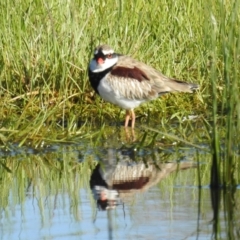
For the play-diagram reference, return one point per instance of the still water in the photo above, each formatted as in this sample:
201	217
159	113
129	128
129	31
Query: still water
83	192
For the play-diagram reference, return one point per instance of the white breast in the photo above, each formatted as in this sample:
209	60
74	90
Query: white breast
113	96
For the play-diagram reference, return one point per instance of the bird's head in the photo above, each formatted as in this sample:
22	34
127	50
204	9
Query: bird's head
104	58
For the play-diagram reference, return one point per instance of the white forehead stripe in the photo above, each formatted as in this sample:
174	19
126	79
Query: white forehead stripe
106	52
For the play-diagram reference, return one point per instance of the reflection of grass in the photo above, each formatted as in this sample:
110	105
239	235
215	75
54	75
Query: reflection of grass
45	177
68	170
53	177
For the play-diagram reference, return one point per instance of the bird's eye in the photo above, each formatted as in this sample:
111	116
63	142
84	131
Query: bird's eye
109	56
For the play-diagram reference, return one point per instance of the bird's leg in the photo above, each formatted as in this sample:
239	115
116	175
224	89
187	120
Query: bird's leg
133	116
130	114
127	118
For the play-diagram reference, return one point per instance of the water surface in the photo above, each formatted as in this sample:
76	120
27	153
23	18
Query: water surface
84	191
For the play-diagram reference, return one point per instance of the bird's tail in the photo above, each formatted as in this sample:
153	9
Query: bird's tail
180	86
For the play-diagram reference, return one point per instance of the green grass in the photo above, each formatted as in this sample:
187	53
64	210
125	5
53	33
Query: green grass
45	47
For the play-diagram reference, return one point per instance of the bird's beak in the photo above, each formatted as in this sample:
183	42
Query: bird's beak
100	61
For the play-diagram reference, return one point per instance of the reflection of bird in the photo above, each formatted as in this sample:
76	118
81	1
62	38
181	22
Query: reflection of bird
125	82
117	178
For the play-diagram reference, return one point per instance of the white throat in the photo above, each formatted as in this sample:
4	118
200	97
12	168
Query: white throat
109	62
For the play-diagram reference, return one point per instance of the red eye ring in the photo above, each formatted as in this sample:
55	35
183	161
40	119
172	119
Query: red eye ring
109	55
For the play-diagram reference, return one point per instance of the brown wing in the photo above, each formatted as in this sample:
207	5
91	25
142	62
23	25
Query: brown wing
133	73
159	82
135	80
131	83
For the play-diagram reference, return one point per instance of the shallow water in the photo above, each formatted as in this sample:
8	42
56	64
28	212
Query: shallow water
85	192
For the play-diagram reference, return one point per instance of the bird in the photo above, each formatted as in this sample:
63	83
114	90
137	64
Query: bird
127	82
